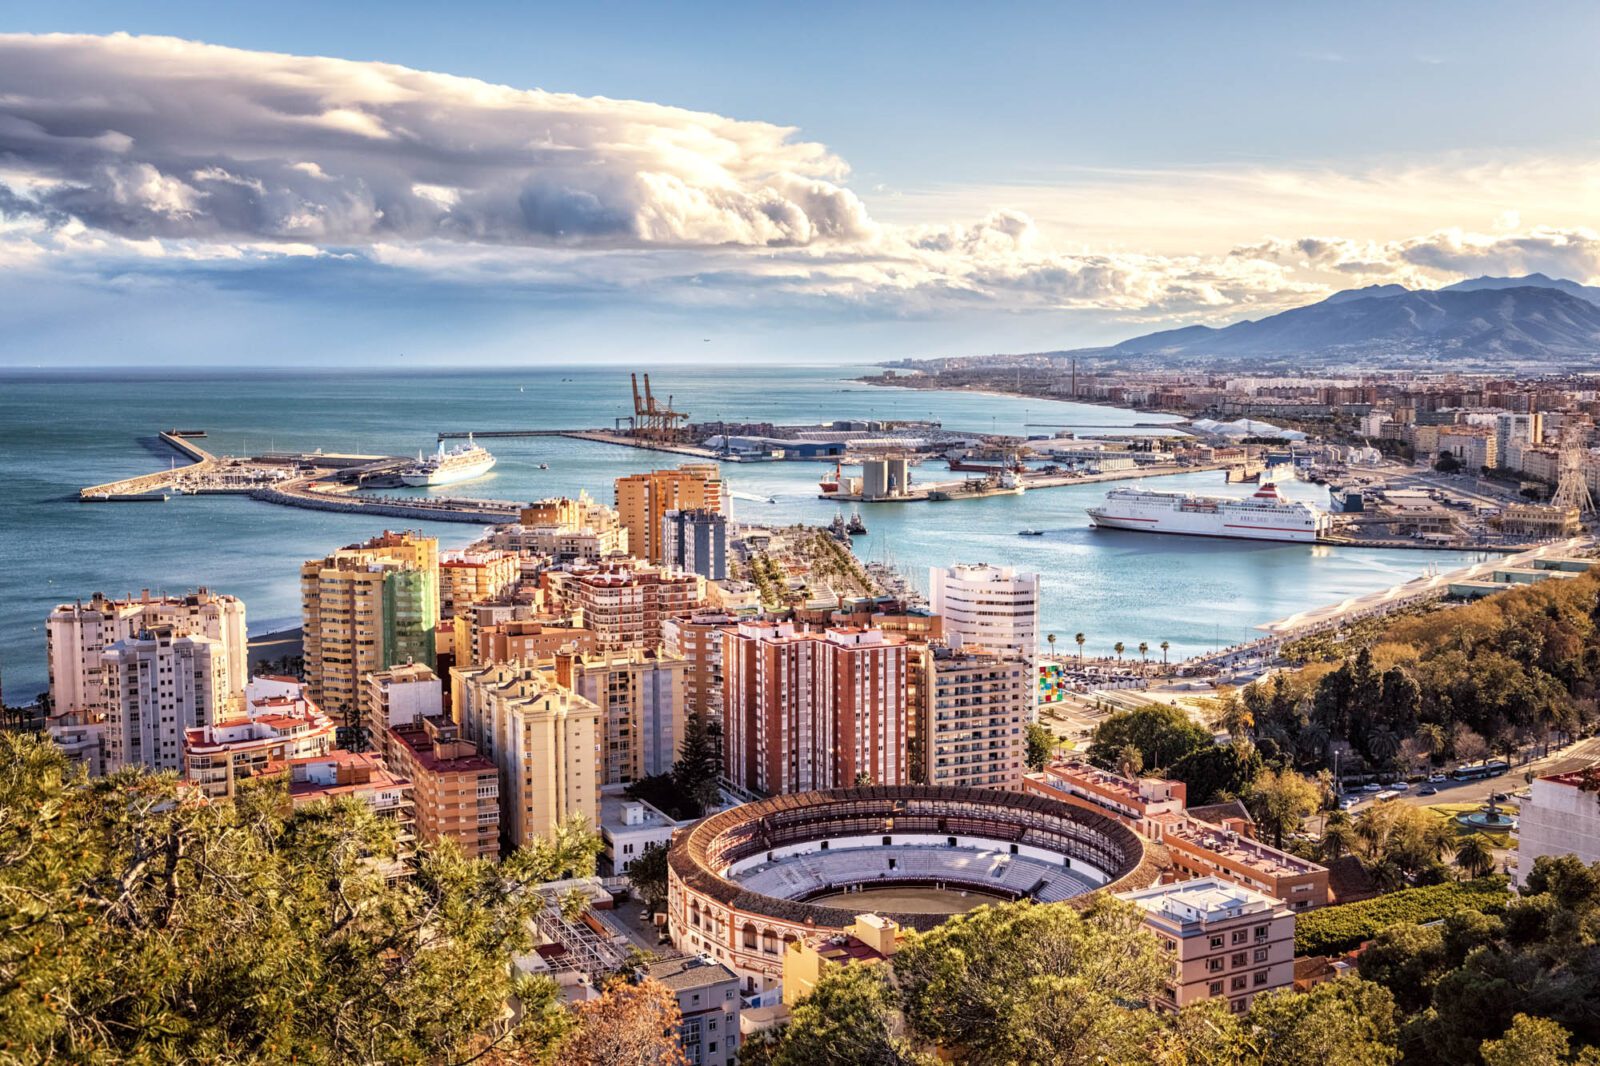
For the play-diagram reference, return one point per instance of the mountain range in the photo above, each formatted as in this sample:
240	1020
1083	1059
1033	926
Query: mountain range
1527	318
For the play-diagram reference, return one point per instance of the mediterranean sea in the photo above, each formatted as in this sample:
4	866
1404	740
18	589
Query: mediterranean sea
60	431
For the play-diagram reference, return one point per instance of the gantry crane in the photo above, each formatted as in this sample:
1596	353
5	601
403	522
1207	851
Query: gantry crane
652	422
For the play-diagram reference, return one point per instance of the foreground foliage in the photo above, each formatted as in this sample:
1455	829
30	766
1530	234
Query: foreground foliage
140	926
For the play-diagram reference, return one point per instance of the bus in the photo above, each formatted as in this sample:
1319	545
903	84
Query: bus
1481	771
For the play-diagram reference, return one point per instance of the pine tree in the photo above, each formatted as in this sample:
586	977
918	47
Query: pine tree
699	764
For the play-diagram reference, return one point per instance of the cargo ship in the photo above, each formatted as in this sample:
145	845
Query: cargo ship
1263	516
461	463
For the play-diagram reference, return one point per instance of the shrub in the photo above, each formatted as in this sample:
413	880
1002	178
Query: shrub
1332	930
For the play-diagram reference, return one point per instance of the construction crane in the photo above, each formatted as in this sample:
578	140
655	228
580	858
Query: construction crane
651	422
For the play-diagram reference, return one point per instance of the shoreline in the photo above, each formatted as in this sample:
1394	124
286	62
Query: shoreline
1178	420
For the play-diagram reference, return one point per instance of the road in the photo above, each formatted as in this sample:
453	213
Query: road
1573	757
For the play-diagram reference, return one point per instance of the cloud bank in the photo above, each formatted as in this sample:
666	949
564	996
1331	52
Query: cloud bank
120	153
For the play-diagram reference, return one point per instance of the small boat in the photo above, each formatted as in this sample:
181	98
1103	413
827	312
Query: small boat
544	466
837	527
855	527
1030	532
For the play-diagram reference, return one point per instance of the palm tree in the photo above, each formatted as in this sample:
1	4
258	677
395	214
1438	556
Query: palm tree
1165	644
1130	761
1440	837
1144	653
1474	855
1050	638
1080	638
1338	837
1117	647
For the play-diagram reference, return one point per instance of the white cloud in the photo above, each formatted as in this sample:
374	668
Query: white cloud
116	149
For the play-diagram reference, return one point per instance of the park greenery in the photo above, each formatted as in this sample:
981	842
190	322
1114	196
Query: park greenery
1335	930
1457	683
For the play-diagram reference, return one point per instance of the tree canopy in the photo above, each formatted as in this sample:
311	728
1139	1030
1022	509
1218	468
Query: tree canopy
1162	735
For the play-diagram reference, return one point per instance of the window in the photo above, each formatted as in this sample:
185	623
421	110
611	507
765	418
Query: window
1238	984
1214	965
1260	955
1240	935
1260	978
1215	988
1238	958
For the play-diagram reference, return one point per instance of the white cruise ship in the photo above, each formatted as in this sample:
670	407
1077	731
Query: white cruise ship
461	463
1264	516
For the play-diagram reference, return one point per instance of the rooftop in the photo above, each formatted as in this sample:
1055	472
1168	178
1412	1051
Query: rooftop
1205	899
689	971
1259	857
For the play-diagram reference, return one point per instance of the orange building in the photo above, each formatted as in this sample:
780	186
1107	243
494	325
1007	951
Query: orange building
643	500
455	791
698	641
625	604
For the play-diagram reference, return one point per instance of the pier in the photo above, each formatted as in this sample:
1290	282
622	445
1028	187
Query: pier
152	486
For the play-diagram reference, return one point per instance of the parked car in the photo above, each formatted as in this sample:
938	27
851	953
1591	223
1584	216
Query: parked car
1349	802
1498	797
1401	786
1434	779
1372	786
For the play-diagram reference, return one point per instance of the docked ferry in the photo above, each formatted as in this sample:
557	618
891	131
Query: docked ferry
1263	516
461	463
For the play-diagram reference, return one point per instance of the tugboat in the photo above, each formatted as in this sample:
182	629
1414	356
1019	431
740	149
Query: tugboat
838	528
855	527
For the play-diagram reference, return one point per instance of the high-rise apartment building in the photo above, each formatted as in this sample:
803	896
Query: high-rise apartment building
697	542
454	790
543	739
401	695
365	608
565	530
641	699
624	605
1561	816
339	774
805	710
972	713
992	606
490	633
1513	433
160	684
697	640
76	635
643	500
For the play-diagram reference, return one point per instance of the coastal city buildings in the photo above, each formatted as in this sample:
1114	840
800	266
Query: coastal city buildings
1560	817
465	577
1222	941
491	633
400	695
625	603
805	710
640	694
565	530
974	708
868	941
339	774
364	608
992	606
278	725
629	826
542	738
643	501
77	634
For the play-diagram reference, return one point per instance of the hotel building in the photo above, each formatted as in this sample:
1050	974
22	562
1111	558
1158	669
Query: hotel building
991	606
543	739
643	501
365	608
1221	940
807	710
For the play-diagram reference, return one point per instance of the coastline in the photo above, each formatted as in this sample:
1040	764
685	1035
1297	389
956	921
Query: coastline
276	645
1007	394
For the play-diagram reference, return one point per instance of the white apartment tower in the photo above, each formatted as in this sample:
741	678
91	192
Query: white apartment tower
991	606
160	684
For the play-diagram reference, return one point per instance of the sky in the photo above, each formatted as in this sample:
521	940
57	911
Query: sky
346	184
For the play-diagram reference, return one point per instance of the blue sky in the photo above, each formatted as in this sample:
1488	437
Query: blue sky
823	181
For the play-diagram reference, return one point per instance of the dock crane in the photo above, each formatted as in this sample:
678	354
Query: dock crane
653	422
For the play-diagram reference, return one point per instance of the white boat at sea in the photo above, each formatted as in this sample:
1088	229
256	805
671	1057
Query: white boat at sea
1263	516
461	463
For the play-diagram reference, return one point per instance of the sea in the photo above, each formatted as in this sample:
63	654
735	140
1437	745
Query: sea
60	431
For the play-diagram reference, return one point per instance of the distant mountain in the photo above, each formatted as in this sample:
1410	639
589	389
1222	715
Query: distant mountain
1488	318
1540	281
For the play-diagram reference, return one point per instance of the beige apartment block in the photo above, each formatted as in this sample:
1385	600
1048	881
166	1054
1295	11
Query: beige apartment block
640	694
160	684
643	501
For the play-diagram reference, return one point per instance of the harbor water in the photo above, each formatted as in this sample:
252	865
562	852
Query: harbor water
59	432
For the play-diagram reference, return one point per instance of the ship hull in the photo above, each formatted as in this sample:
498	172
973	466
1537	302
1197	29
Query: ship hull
1229	531
450	475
